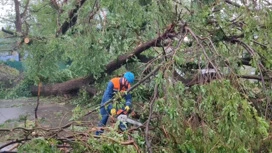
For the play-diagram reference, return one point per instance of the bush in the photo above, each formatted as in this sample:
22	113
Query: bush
8	76
20	90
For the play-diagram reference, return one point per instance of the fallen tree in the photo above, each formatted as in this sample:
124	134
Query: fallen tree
73	86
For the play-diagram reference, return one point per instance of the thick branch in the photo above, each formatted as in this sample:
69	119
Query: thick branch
115	64
72	19
13	142
25	9
54	4
7	31
254	77
232	3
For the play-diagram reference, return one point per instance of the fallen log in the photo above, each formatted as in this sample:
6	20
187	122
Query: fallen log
68	87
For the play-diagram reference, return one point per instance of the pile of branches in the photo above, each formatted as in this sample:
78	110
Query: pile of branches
65	136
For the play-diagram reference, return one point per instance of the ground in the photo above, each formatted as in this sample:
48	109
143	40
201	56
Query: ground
52	113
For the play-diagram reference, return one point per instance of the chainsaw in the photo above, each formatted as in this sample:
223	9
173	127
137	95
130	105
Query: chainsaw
122	116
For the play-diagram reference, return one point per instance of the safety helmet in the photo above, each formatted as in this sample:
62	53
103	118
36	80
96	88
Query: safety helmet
129	76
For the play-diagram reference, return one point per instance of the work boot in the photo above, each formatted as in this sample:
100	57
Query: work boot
123	126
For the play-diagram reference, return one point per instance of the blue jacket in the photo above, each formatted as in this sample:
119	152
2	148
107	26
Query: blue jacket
114	85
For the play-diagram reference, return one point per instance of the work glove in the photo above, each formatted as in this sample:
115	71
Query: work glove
127	108
113	111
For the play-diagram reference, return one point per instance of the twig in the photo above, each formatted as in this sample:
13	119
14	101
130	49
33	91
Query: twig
226	62
180	40
260	67
250	51
38	102
264	88
14	129
25	9
255	77
195	37
129	142
136	146
148	145
63	118
262	45
165	132
95	9
12	142
149	63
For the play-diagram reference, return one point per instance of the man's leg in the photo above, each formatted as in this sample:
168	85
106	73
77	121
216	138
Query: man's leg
104	114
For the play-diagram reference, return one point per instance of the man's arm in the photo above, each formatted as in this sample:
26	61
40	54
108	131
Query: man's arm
108	94
128	98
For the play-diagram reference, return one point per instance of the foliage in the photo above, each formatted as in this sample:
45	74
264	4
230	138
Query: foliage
77	113
82	99
193	114
221	121
39	145
8	75
109	143
11	84
20	90
96	47
235	127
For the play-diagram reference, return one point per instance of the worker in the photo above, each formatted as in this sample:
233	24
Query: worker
117	84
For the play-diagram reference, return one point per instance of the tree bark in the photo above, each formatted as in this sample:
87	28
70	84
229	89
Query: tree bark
18	22
68	87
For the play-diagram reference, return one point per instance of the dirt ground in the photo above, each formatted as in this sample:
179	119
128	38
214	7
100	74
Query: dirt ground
51	112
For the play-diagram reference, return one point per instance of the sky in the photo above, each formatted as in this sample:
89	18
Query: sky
6	7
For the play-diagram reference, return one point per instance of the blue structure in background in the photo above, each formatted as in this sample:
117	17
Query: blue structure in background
9	57
12	60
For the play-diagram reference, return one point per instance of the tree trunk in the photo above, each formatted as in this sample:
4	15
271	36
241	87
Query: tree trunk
68	87
18	22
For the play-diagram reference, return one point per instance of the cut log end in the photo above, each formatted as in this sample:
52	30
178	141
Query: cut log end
27	40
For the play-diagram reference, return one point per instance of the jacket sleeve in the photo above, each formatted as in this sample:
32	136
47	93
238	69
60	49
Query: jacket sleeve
128	98
108	94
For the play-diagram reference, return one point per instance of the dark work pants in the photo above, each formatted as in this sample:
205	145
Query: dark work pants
104	112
